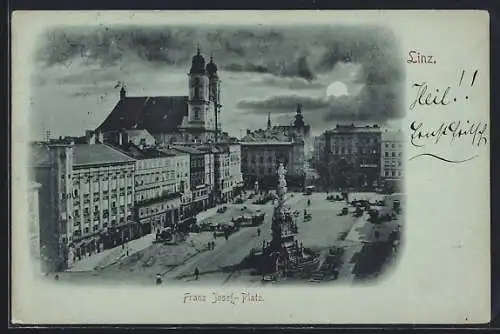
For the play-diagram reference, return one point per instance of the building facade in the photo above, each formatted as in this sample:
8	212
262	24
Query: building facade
260	160
319	148
201	177
88	202
34	224
228	179
352	156
392	169
158	187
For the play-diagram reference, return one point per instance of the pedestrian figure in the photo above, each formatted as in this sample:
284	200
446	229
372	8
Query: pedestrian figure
56	277
196	274
158	279
227	237
209	244
213	244
215	235
258	232
127	251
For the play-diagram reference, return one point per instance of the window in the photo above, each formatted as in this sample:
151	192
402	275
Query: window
386	154
393	154
261	160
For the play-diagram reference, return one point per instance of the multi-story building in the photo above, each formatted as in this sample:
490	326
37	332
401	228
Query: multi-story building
86	200
235	175
260	160
34	224
352	156
202	178
262	150
319	148
392	156
228	179
158	186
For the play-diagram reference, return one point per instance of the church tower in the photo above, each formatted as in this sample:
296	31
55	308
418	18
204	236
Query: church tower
214	85
200	110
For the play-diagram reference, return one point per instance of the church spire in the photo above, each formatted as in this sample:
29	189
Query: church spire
299	119
269	121
198	63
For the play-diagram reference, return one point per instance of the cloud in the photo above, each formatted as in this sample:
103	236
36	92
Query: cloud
374	102
282	51
282	104
292	83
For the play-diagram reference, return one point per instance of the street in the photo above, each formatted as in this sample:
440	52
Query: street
176	264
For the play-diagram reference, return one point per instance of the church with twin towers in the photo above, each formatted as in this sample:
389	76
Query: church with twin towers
194	118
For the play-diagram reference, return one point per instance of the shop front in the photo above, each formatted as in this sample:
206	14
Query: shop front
84	248
158	214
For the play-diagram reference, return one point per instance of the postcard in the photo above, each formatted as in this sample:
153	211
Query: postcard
250	167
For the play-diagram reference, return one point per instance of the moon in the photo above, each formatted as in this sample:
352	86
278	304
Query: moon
337	89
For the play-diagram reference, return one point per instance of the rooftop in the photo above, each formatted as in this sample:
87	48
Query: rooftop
187	149
267	143
137	152
353	128
83	154
393	136
157	114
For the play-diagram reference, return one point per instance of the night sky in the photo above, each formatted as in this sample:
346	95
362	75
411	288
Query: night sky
263	70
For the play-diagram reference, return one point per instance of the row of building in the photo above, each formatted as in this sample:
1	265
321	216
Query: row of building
99	195
359	156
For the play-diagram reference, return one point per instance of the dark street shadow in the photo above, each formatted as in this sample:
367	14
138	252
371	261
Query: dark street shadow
370	261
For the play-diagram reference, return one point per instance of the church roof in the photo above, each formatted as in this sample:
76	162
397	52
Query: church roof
159	114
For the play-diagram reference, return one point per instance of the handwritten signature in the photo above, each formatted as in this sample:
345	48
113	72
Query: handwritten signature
476	131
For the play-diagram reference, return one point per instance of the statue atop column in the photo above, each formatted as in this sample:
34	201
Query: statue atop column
279	214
